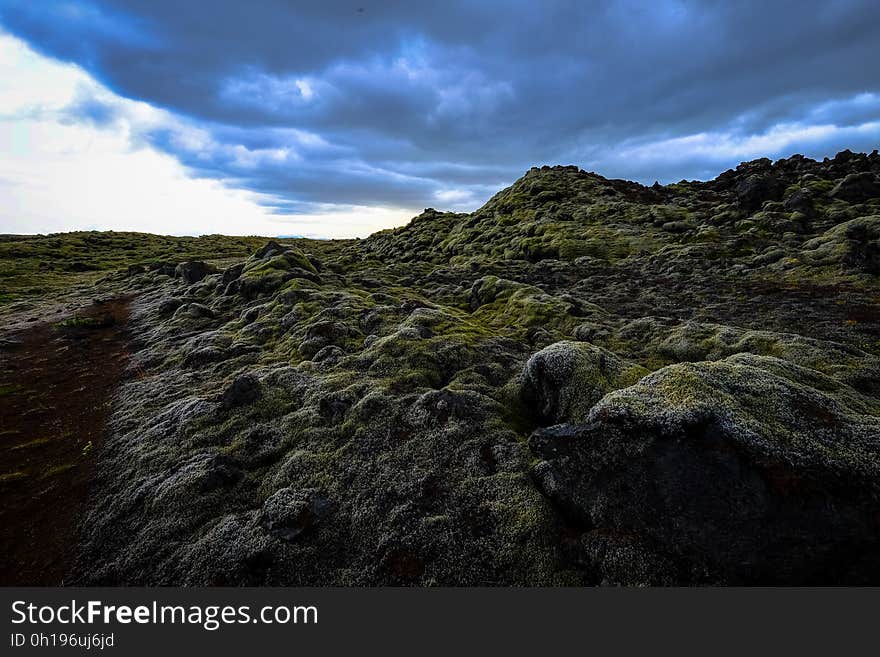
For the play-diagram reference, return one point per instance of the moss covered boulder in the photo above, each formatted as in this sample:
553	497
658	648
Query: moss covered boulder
739	471
564	381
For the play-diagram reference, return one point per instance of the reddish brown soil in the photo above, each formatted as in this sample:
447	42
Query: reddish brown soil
56	383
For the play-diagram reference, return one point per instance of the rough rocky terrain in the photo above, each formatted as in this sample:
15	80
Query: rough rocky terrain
586	381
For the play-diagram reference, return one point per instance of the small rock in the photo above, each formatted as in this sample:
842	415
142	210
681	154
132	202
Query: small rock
7	345
245	389
199	311
329	355
168	306
231	273
193	271
675	227
289	513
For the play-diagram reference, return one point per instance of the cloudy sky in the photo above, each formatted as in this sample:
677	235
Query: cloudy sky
335	118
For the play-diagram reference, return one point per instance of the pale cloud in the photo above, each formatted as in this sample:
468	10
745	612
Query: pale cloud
719	149
29	85
454	197
60	171
722	146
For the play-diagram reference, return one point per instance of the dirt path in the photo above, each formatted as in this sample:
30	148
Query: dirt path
56	383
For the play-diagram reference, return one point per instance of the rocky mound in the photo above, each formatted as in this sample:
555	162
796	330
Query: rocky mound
584	381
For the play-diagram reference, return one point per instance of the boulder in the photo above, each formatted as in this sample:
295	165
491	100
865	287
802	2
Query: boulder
270	249
857	187
801	200
564	380
232	273
244	389
675	226
199	311
169	305
852	245
738	471
193	271
164	268
753	191
289	513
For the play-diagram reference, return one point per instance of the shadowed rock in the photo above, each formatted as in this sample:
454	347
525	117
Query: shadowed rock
738	471
857	187
193	272
244	389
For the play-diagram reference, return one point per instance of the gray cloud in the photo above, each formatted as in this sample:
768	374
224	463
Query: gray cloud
400	104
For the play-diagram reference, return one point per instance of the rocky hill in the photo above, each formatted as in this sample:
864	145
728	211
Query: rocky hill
586	381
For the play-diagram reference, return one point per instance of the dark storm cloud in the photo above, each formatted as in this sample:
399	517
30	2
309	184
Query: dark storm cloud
398	103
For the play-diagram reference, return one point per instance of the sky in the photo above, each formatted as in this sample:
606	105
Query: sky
337	118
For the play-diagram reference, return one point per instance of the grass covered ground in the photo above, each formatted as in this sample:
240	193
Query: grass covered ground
34	265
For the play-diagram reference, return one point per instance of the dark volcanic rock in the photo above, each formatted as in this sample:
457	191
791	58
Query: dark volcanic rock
857	187
194	271
739	471
168	306
195	310
164	268
232	273
244	389
800	200
288	513
754	191
270	249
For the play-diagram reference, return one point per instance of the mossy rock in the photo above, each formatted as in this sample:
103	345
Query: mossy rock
738	471
565	380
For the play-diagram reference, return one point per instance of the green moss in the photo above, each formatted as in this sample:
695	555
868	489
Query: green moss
37	442
57	470
32	265
819	187
524	308
283	262
10	388
80	322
